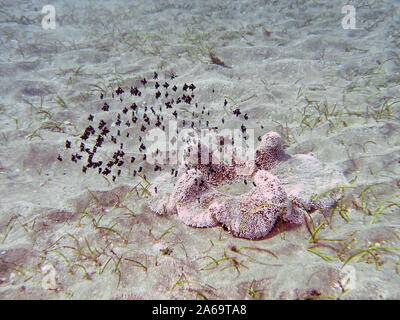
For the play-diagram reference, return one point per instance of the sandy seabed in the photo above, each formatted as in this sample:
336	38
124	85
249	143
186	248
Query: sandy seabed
290	65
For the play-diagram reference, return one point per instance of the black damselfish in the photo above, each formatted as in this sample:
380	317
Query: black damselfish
149	103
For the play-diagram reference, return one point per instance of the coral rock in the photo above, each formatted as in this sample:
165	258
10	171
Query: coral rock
199	200
190	196
253	215
270	151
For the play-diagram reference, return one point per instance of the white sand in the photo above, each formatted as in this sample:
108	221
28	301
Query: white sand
286	58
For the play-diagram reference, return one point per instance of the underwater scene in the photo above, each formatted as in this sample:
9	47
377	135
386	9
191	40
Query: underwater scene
200	150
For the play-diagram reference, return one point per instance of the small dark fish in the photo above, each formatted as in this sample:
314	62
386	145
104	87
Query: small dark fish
119	91
236	112
102	124
105	131
105	107
135	92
